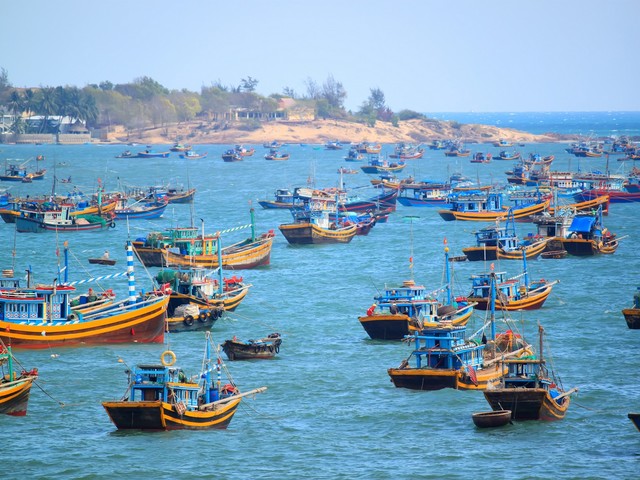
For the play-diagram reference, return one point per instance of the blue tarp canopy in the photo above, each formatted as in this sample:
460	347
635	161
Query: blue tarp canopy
582	224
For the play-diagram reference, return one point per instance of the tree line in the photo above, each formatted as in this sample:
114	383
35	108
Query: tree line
145	102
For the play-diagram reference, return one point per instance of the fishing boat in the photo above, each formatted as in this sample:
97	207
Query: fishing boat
457	151
501	242
276	155
502	143
504	155
318	222
425	194
231	156
498	418
377	165
14	387
368	148
179	147
283	198
103	260
190	246
480	157
192	155
162	396
347	171
198	297
400	311
635	418
515	293
87	320
443	357
490	206
17	172
262	348
127	154
244	152
36	218
353	155
529	390
587	236
175	195
140	209
152	154
632	315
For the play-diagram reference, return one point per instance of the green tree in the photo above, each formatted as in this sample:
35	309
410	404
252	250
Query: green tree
248	84
16	103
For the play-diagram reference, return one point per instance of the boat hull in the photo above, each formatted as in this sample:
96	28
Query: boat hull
14	397
145	324
635	418
147	213
632	316
235	350
308	233
385	327
31	225
437	379
158	415
477	254
530	251
520	213
581	247
527	403
529	302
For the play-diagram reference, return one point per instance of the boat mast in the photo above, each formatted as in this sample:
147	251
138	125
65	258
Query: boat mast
526	274
130	275
448	274
219	252
253	224
493	302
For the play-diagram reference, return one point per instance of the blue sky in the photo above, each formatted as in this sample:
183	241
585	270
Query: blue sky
425	55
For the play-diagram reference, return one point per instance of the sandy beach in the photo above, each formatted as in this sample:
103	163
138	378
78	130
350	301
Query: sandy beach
322	131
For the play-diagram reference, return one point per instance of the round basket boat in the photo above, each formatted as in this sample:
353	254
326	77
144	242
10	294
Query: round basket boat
497	418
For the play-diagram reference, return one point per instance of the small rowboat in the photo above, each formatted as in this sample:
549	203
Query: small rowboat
497	418
554	254
102	261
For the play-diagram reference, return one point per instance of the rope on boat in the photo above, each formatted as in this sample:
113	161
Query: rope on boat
234	229
95	279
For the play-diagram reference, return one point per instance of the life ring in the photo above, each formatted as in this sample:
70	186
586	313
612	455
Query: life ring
170	361
188	320
202	318
72	317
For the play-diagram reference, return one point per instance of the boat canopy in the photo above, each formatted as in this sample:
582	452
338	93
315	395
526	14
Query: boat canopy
582	224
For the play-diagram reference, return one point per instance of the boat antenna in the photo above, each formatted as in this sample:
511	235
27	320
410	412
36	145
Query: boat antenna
448	274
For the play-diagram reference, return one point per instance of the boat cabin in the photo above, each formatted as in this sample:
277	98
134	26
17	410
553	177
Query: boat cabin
445	347
525	373
169	384
505	287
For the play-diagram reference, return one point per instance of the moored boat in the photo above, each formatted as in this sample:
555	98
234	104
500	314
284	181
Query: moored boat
491	419
163	397
24	323
260	349
529	390
632	315
14	387
36	218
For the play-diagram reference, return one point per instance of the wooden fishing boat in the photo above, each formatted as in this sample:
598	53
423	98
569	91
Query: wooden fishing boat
504	155
632	315
517	293
58	218
443	357
503	143
584	206
284	198
529	390
14	387
262	348
163	397
276	155
232	156
635	418
353	155
244	152
174	195
102	261
318	222
457	152
502	242
400	311
491	419
347	171
191	155
368	148
151	154
179	147
490	206
378	165
127	154
18	172
481	158
24	323
587	236
140	210
198	297
188	247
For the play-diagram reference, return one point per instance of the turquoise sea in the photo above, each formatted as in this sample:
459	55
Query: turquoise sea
330	410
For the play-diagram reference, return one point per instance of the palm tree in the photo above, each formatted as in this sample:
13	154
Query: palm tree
47	105
16	103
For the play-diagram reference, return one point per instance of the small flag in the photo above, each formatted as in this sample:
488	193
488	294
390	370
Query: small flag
472	375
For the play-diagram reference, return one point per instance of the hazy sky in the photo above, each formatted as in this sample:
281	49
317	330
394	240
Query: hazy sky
425	55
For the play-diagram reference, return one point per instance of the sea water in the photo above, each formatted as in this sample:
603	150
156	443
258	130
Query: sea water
330	410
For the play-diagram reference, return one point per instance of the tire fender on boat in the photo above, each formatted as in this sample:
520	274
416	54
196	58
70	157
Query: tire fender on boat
188	320
170	361
202	318
112	225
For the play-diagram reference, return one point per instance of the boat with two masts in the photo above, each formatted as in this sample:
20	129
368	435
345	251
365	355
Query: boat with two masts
14	387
